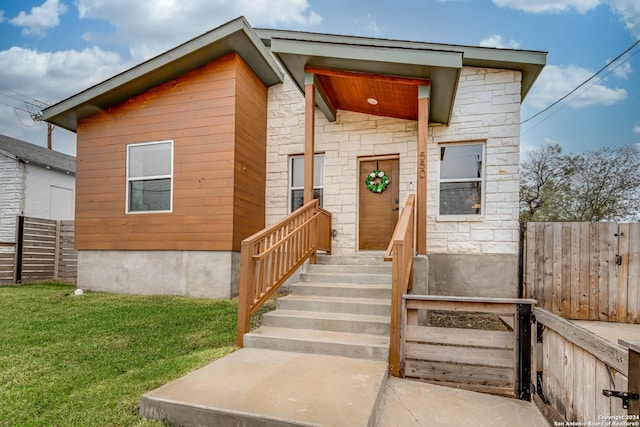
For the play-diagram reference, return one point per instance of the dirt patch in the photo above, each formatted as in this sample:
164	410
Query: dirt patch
452	319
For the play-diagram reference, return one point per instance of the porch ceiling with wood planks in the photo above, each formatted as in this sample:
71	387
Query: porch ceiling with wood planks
370	93
378	68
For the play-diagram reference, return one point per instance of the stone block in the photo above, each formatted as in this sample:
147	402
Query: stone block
482	235
500	77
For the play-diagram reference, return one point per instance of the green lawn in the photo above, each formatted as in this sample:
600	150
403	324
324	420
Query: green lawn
85	360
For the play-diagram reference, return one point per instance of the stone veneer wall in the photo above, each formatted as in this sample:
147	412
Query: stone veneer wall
487	108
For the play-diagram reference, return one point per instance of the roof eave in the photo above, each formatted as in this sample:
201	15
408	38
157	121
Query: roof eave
236	35
46	166
529	62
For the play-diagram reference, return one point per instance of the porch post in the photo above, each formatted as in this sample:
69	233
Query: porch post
424	93
309	134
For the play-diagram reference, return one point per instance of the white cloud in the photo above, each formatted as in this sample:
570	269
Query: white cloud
623	70
50	77
549	6
41	18
143	25
555	82
371	25
526	147
496	40
629	11
636	128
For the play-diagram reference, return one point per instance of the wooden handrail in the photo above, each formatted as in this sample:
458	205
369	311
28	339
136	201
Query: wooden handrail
324	231
400	252
269	257
608	352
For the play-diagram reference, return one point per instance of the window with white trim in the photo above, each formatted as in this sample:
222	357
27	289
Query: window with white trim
150	177
461	178
296	180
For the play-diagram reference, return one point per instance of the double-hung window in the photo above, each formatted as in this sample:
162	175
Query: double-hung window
461	178
296	180
150	177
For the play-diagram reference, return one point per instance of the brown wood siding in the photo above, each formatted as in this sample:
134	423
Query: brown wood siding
250	154
198	112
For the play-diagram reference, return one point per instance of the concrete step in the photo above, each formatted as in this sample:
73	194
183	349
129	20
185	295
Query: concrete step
350	269
367	306
348	290
372	279
351	260
344	344
336	322
264	388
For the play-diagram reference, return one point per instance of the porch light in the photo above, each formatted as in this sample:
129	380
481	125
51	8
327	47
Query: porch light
372	101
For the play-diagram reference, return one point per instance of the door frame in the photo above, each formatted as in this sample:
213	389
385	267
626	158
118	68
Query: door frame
367	158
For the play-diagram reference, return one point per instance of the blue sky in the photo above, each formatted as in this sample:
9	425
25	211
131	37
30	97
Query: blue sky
52	49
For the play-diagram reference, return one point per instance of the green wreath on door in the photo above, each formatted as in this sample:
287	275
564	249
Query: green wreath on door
377	181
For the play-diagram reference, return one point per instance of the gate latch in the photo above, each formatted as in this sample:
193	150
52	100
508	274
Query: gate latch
626	396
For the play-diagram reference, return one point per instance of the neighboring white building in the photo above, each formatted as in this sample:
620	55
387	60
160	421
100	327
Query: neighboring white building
34	181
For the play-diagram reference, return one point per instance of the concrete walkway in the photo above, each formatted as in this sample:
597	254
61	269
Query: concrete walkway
415	404
259	387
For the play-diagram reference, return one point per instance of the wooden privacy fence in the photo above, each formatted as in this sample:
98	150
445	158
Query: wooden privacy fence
495	361
574	366
7	262
43	251
585	271
271	256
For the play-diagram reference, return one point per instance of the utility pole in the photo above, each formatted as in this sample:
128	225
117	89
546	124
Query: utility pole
49	132
35	111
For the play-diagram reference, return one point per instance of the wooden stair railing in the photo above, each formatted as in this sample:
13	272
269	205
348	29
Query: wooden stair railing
269	257
400	252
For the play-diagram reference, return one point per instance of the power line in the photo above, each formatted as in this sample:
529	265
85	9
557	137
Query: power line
583	91
607	65
32	100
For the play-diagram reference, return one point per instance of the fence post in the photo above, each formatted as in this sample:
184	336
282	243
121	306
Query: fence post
521	248
633	374
314	229
19	248
245	291
523	391
57	252
395	361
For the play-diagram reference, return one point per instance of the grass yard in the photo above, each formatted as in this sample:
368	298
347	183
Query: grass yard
85	360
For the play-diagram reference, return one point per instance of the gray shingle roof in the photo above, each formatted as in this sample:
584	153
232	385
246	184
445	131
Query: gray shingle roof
36	154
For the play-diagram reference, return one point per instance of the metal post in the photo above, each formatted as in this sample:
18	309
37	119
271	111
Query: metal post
19	248
633	376
523	229
523	368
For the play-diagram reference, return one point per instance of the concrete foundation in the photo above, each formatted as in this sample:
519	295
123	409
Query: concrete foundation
420	275
473	275
208	274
